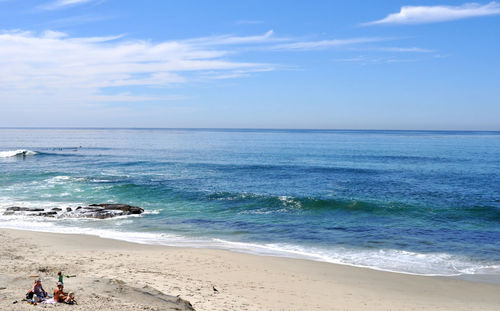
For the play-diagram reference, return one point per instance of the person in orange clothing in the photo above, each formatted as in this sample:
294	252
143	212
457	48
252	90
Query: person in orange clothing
61	296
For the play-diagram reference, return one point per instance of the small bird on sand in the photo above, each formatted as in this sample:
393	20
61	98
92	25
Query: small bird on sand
215	289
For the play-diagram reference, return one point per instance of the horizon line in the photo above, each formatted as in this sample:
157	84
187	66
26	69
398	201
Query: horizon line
240	129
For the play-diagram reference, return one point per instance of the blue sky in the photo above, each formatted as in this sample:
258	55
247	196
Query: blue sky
250	64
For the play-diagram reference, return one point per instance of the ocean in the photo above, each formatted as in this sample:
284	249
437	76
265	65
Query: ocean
418	202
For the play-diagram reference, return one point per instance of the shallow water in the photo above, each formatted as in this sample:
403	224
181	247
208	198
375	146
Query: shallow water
406	201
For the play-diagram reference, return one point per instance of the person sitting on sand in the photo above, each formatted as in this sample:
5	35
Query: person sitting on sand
61	296
38	289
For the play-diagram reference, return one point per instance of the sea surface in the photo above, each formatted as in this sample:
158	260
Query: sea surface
416	202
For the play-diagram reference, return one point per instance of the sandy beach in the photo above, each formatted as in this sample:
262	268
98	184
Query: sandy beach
249	155
116	275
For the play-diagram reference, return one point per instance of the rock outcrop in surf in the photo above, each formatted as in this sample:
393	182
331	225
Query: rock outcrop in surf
98	211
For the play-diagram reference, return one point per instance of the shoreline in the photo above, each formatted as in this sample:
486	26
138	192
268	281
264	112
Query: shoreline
243	281
246	248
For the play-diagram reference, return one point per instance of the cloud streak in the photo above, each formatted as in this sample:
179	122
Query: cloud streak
395	49
55	69
366	60
438	13
60	4
58	67
235	40
52	64
323	44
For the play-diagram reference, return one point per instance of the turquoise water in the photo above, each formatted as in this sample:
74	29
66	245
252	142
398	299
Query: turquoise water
406	201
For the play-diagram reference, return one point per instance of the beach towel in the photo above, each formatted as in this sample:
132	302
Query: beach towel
50	301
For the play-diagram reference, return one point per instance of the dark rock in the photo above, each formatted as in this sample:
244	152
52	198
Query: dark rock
127	209
93	209
98	211
24	209
102	214
14	208
47	214
108	210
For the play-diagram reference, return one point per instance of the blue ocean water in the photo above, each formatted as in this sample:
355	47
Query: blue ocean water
406	201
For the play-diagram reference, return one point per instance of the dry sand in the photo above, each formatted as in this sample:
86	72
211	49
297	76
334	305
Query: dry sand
116	275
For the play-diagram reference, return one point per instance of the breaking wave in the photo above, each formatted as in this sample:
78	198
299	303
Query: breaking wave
429	264
17	153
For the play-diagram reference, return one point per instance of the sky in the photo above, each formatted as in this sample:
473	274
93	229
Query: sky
426	65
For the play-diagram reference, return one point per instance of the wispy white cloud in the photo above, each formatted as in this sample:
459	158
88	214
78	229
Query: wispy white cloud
60	4
270	42
369	60
395	49
71	2
438	13
323	44
56	65
404	49
268	37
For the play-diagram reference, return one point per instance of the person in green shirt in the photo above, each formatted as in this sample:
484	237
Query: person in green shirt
59	274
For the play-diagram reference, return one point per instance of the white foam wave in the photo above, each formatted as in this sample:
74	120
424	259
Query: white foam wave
152	212
6	202
63	179
135	237
392	260
430	264
17	153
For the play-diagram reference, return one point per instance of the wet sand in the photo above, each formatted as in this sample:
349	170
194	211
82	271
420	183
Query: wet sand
117	275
